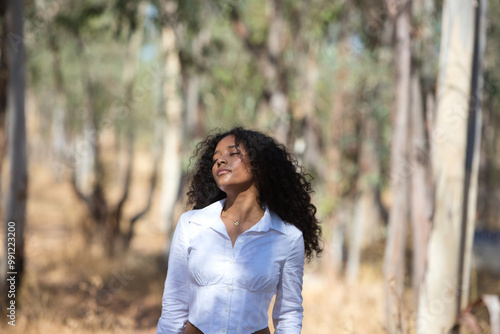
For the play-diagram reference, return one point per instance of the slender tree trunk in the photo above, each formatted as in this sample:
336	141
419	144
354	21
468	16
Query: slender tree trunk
60	108
394	261
17	192
116	239
487	201
342	215
156	152
473	149
366	214
193	81
158	123
88	176
420	148
278	102
355	233
172	140
313	149
4	80
192	105
84	159
88	147
362	225
419	159
439	294
91	128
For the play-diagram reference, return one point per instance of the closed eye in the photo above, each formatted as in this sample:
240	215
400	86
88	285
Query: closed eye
230	154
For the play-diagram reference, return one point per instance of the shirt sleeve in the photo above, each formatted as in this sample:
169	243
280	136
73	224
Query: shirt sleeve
175	300
288	310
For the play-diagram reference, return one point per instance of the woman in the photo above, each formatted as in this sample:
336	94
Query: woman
244	242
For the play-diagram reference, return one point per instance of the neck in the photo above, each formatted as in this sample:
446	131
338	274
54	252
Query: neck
243	206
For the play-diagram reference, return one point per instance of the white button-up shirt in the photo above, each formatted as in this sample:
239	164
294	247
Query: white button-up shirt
224	289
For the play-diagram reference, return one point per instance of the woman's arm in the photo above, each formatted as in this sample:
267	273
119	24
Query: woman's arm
175	308
288	310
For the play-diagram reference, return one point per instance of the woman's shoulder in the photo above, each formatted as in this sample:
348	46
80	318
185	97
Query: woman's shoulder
202	215
292	231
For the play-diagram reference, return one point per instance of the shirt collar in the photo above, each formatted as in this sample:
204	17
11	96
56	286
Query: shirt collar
210	217
270	220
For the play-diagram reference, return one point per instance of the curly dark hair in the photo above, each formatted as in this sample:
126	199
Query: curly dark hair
282	183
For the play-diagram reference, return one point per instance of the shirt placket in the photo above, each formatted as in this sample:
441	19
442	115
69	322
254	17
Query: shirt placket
232	253
228	281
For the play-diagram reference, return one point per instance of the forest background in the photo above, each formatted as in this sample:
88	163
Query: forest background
116	94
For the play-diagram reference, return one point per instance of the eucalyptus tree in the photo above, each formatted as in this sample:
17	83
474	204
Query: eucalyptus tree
394	261
103	31
13	260
455	159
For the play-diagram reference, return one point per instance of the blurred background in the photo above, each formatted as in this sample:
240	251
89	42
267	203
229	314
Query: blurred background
102	104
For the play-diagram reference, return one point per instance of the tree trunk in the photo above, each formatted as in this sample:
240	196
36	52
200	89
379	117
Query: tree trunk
172	140
439	294
60	108
313	151
91	129
116	239
473	148
84	159
394	261
12	272
419	193
155	149
366	214
362	225
421	122
342	214
278	101
193	119
88	186
88	147
4	78
193	81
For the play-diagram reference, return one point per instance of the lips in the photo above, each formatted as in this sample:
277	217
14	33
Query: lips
222	171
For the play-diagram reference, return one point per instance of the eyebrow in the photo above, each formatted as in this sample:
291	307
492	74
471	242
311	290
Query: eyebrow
230	146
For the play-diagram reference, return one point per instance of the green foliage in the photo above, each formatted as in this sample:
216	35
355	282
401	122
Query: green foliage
320	15
83	18
88	50
127	12
349	43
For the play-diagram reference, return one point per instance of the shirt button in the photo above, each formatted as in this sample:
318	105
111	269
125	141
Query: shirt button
223	330
226	309
240	241
228	288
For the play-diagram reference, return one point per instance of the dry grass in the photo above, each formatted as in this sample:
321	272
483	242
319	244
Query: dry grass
332	306
71	287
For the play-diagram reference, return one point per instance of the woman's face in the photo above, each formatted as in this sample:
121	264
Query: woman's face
231	169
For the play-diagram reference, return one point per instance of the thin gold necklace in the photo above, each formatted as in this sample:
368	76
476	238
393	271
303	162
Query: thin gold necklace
237	223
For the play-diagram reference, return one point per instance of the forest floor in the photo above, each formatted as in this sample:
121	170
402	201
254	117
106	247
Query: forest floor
72	287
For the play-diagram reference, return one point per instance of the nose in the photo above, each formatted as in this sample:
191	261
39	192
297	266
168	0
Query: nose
221	160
